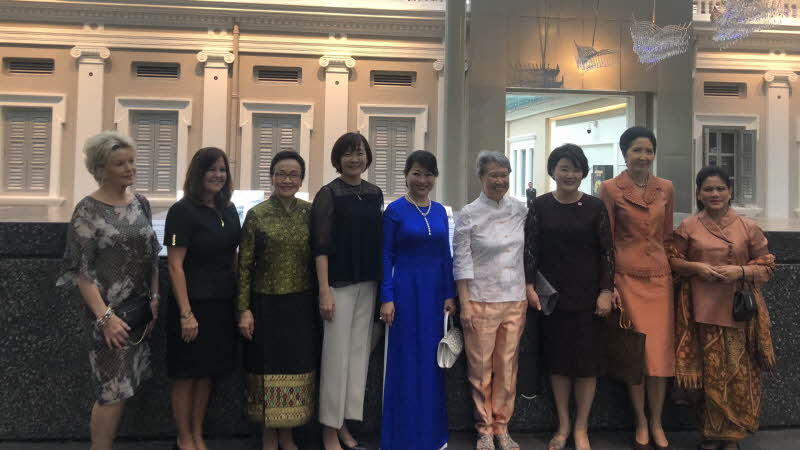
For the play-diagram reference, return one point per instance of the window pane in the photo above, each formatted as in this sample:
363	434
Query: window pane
728	164
728	142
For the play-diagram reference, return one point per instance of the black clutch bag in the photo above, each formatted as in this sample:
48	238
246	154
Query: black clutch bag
135	312
744	306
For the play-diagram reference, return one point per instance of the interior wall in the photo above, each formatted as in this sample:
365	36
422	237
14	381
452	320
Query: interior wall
121	81
311	89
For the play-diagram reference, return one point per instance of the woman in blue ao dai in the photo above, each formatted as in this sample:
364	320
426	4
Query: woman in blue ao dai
417	289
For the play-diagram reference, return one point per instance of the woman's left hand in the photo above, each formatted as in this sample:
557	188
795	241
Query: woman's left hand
450	306
730	273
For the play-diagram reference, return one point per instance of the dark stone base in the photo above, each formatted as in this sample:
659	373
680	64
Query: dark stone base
46	393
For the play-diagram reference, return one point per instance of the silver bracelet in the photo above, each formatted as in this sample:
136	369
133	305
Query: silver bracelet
101	322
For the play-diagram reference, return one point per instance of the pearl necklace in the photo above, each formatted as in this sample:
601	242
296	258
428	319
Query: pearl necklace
423	214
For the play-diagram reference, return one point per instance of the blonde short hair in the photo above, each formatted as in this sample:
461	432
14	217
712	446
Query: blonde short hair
98	150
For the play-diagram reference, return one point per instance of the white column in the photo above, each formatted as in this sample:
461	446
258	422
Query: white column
337	77
89	115
215	97
438	66
777	145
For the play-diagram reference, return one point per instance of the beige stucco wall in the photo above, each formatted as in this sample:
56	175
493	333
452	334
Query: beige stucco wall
63	81
424	92
121	81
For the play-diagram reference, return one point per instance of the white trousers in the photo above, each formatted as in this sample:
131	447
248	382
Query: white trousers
345	354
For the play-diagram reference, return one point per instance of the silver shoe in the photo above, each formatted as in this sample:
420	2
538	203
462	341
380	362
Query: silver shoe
485	442
506	443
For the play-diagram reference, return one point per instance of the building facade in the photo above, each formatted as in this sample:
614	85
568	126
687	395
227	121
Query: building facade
252	78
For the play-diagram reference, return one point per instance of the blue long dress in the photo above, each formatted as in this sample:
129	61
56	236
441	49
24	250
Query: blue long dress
417	277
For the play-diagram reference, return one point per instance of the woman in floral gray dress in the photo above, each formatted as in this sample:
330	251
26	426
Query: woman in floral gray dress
112	258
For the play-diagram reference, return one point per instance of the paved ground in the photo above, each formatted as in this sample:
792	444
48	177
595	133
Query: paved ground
764	440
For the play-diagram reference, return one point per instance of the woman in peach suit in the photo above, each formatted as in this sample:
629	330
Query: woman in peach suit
640	211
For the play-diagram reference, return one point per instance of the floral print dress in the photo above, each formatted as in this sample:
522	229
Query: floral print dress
115	248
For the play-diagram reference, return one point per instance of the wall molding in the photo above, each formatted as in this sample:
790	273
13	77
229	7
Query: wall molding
415	22
57	103
192	40
250	107
183	106
761	62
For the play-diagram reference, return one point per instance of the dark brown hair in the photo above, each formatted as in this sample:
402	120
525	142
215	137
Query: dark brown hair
201	163
348	142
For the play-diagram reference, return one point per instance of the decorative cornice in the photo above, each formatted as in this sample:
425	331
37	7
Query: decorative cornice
331	61
90	54
781	76
438	65
251	16
216	58
193	40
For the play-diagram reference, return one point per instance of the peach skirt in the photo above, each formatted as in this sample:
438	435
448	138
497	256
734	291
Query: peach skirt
648	301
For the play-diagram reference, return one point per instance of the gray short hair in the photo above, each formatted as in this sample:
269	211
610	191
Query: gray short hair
486	157
98	150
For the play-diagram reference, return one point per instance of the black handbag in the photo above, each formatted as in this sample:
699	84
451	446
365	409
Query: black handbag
136	313
625	349
744	306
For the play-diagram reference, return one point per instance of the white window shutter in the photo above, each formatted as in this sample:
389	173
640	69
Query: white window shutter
156	137
747	173
380	136
26	154
39	160
391	140
403	145
165	162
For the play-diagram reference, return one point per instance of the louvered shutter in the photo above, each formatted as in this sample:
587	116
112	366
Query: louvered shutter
271	134
391	141
26	166
747	173
402	146
380	136
156	137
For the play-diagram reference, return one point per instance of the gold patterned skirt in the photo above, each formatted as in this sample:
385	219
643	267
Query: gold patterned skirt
281	360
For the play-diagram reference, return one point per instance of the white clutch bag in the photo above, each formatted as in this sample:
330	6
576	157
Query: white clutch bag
451	345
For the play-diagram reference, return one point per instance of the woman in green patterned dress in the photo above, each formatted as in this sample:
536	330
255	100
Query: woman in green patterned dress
278	307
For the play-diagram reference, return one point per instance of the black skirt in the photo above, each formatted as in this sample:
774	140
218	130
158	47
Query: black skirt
213	352
285	334
574	343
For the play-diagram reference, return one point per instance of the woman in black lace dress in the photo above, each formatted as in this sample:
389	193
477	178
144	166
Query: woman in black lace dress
568	239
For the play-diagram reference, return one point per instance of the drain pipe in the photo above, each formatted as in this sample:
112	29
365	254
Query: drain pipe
234	141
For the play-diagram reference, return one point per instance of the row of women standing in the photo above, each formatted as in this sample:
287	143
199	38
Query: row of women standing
343	251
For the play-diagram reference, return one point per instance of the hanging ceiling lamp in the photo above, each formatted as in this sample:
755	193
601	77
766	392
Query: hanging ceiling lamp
588	58
654	44
738	19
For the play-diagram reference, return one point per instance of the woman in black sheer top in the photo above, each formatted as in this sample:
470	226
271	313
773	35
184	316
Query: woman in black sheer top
346	240
568	239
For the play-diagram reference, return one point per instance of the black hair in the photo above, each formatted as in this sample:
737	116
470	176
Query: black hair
201	163
633	133
571	152
708	172
288	154
348	142
425	159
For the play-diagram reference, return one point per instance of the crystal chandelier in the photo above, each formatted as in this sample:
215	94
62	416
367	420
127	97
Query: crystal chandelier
588	58
654	44
741	18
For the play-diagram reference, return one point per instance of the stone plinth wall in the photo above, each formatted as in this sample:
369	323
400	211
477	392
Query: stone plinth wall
45	378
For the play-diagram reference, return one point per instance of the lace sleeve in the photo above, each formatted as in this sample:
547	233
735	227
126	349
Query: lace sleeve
530	254
606	250
81	248
322	226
